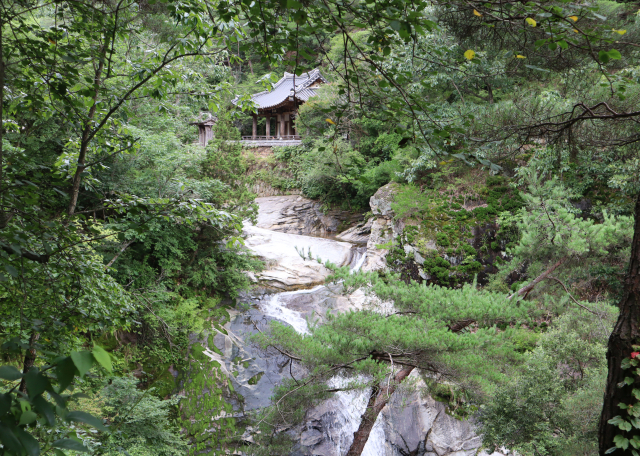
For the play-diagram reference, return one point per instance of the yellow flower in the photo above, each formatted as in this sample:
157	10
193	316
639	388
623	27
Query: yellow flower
469	54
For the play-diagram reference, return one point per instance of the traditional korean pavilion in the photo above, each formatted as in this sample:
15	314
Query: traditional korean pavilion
279	106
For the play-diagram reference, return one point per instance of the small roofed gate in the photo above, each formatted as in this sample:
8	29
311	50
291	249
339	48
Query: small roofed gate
205	131
279	106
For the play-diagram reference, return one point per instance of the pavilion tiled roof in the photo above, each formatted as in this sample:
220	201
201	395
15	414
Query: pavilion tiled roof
286	87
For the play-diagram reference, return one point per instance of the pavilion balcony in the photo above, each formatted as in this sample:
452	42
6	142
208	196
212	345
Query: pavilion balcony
272	138
262	140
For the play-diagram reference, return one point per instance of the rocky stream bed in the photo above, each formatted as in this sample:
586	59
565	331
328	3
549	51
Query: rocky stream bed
291	290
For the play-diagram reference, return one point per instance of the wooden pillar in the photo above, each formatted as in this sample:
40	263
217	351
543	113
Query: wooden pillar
282	125
202	135
208	134
267	128
254	133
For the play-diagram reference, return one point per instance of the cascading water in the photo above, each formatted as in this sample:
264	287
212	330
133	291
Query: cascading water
344	419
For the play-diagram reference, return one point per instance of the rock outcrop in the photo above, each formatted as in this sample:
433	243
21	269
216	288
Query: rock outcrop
299	215
409	425
412	423
384	227
285	267
358	234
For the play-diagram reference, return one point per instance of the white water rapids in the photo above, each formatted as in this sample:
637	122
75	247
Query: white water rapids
349	405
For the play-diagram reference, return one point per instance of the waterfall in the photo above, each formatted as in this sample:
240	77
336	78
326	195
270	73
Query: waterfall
345	417
358	259
274	307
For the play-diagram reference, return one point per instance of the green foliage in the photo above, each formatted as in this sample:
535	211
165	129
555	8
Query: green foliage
356	344
37	420
226	165
550	226
552	406
206	411
551	229
141	422
443	215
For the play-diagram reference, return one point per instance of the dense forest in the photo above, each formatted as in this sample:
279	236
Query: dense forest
482	158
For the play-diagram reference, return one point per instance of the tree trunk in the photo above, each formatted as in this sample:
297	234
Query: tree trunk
3	215
86	133
378	399
524	291
29	359
625	334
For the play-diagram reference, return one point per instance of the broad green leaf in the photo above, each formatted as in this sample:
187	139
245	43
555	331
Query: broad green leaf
87	418
29	443
616	420
614	54
9	439
46	409
621	442
28	417
11	270
65	371
10	373
37	383
5	403
101	355
83	361
70	444
603	56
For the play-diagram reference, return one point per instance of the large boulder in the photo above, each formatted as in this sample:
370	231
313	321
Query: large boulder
410	424
358	234
299	215
384	227
282	253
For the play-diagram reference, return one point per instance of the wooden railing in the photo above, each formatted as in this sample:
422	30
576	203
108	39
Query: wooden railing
271	138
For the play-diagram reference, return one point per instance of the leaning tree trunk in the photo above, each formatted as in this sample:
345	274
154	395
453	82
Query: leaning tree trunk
29	360
625	334
378	399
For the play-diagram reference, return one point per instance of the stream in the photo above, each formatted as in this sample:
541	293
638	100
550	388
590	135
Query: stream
291	291
340	425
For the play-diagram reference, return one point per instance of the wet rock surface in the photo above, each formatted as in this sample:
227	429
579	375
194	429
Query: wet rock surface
299	215
411	424
358	234
285	268
384	227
